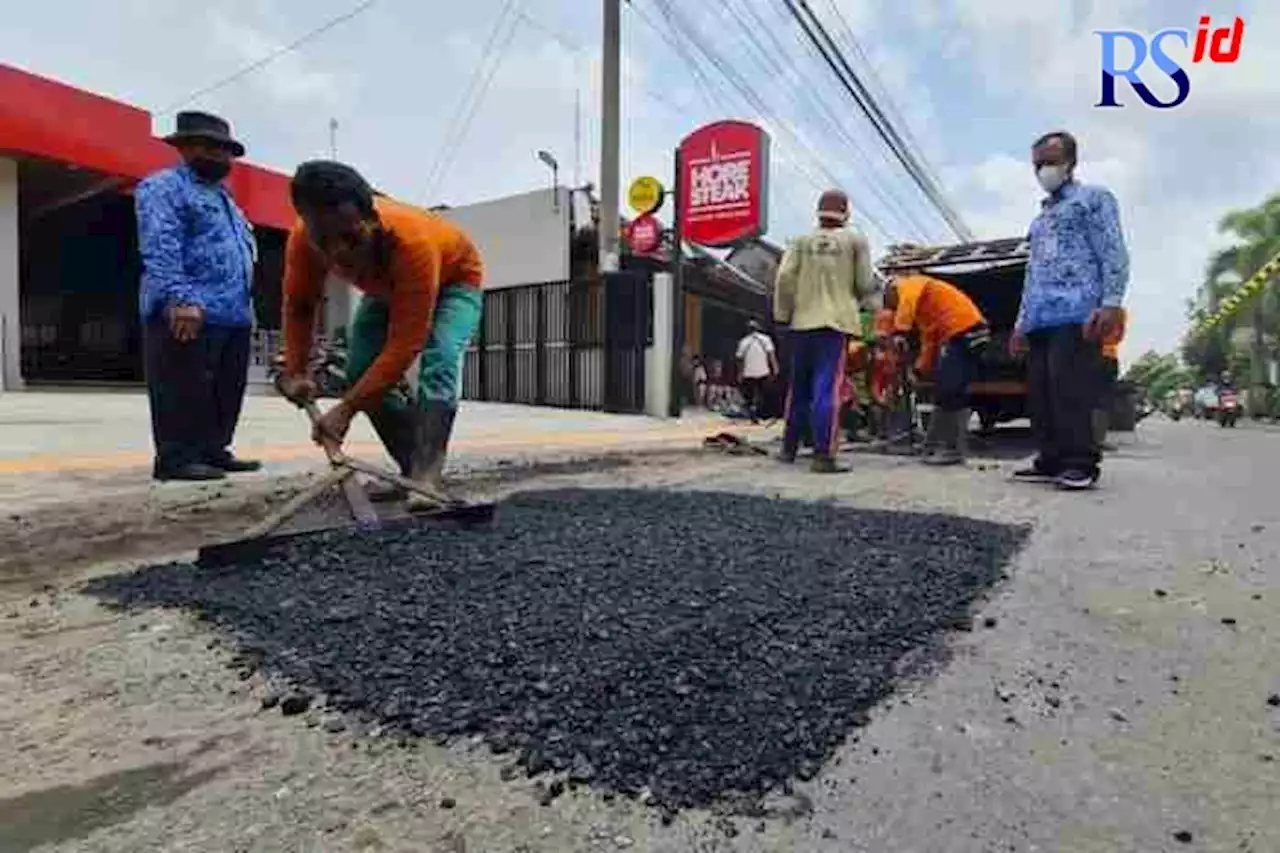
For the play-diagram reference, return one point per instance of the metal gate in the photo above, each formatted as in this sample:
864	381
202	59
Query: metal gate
571	344
540	345
628	333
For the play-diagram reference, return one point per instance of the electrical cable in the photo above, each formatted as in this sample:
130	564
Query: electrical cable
700	78
720	96
751	23
877	83
882	92
839	65
477	91
574	46
683	29
310	35
878	164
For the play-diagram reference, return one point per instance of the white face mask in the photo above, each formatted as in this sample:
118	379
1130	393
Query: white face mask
1051	177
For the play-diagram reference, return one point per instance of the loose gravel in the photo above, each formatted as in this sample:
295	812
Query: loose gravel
681	647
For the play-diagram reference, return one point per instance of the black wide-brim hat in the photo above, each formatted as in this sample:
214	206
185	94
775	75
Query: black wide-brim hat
204	127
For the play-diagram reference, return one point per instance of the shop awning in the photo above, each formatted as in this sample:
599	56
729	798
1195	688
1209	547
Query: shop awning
41	118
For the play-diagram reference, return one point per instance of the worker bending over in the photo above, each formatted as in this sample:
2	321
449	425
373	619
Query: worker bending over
952	335
821	280
421	277
1111	341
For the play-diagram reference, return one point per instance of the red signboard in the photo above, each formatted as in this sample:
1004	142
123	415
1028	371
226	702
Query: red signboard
723	180
644	235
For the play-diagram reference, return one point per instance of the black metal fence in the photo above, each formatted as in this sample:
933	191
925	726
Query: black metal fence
571	344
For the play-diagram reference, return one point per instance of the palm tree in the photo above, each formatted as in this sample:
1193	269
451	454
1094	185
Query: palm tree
1209	352
1256	240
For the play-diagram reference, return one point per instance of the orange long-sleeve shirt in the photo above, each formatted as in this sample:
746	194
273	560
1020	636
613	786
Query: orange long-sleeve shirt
939	310
1111	344
426	252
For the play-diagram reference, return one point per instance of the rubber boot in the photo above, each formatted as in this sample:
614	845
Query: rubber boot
823	464
397	429
962	432
936	436
953	437
435	425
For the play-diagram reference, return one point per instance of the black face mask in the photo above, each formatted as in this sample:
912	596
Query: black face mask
209	170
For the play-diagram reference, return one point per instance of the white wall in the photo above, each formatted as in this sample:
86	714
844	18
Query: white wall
524	239
10	322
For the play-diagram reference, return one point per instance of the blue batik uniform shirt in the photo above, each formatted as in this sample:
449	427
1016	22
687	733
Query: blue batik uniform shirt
1078	260
197	248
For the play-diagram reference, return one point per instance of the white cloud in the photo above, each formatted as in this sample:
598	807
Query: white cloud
1175	172
290	78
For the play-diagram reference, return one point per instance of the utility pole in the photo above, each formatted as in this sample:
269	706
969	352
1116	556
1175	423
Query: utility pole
610	136
333	139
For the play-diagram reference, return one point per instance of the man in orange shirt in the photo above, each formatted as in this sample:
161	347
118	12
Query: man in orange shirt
421	277
1110	373
952	334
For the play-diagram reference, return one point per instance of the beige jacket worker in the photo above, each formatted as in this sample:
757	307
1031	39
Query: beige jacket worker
822	280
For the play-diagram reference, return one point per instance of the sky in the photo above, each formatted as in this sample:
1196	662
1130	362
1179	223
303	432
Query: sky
972	82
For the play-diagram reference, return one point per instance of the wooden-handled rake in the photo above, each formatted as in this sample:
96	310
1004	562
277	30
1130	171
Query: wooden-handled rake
341	476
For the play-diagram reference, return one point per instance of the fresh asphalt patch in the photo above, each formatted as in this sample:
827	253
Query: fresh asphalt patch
689	648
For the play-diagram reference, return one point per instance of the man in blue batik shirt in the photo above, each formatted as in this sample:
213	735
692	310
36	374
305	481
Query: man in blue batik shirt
1077	274
198	254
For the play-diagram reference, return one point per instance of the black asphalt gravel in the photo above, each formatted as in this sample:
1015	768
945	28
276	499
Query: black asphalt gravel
688	647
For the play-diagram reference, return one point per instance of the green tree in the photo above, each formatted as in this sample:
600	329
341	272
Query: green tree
1255	236
1158	374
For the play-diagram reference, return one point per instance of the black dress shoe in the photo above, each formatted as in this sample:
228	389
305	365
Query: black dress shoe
196	472
232	465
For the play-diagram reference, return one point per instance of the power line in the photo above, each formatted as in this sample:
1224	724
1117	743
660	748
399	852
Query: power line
882	92
699	76
751	23
837	62
477	90
852	84
577	47
679	40
310	35
714	92
684	30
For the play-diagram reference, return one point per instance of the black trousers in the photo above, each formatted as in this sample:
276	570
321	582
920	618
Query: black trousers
196	391
1063	373
753	391
1107	383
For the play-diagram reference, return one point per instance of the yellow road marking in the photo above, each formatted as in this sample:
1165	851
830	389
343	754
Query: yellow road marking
585	439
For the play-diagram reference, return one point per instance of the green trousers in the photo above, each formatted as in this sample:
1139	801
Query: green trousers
454	325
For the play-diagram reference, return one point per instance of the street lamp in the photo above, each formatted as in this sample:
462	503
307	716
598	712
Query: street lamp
551	163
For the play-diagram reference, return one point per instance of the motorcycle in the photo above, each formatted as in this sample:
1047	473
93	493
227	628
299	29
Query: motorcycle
1228	409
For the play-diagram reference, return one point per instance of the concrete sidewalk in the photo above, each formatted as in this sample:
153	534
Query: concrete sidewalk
62	445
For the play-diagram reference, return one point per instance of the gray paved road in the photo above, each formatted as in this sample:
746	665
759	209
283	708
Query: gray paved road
1117	703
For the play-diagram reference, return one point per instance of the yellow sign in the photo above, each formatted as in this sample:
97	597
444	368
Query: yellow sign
645	195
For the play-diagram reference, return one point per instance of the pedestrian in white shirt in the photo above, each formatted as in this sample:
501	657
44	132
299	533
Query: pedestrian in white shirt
757	365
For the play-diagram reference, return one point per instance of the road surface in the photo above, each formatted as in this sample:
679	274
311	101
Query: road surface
1113	695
